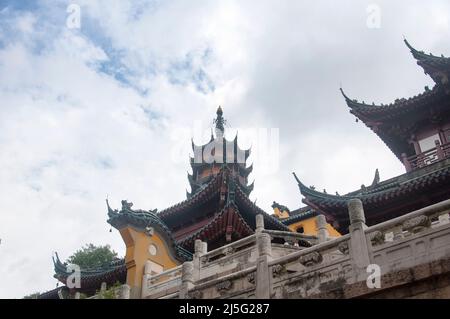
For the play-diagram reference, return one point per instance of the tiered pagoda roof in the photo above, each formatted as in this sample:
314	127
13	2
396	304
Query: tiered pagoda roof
384	200
221	210
397	122
208	159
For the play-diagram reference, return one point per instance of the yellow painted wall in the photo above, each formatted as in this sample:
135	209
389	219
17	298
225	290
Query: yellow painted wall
280	214
310	227
137	253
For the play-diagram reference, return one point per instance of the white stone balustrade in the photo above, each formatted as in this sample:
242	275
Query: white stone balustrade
255	267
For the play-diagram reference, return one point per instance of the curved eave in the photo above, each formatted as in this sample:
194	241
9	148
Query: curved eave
429	60
92	278
246	171
54	293
248	188
270	221
367	113
236	150
376	197
218	226
299	217
312	193
202	194
141	220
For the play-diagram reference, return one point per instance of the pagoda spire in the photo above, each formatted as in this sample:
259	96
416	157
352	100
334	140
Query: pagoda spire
220	122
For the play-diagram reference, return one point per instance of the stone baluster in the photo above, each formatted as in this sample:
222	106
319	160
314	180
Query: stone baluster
187	279
259	223
77	295
359	246
263	272
102	290
439	150
146	279
397	232
124	292
322	231
200	249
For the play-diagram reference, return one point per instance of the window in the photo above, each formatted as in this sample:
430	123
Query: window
428	143
300	230
427	148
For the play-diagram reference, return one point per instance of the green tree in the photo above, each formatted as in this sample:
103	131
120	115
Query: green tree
32	296
91	256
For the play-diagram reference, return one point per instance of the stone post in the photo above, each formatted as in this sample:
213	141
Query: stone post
359	247
187	279
102	290
200	249
148	273
439	150
406	162
124	292
263	278
322	231
259	223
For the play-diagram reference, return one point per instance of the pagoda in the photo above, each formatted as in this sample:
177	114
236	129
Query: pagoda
417	131
217	211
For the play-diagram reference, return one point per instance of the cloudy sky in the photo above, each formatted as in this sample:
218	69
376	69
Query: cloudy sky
108	107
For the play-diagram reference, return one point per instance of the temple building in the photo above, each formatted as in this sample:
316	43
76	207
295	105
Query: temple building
417	131
218	212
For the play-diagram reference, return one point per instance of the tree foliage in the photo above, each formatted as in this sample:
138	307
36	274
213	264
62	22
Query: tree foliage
32	296
91	256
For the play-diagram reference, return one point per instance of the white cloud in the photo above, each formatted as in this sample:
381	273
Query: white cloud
90	113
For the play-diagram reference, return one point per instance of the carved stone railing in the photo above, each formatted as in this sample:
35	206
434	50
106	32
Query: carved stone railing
217	255
164	283
293	239
411	239
409	224
252	267
317	264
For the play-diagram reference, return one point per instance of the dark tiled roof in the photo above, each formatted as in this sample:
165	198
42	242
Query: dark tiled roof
300	214
143	219
54	293
408	186
218	226
92	278
367	112
429	62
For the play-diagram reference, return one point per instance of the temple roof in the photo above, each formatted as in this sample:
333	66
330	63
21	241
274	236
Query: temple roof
221	206
142	220
92	278
299	215
386	199
211	191
395	123
217	226
218	151
438	67
382	112
55	293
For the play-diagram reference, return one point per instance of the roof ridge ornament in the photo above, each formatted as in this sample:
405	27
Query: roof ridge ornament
220	122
